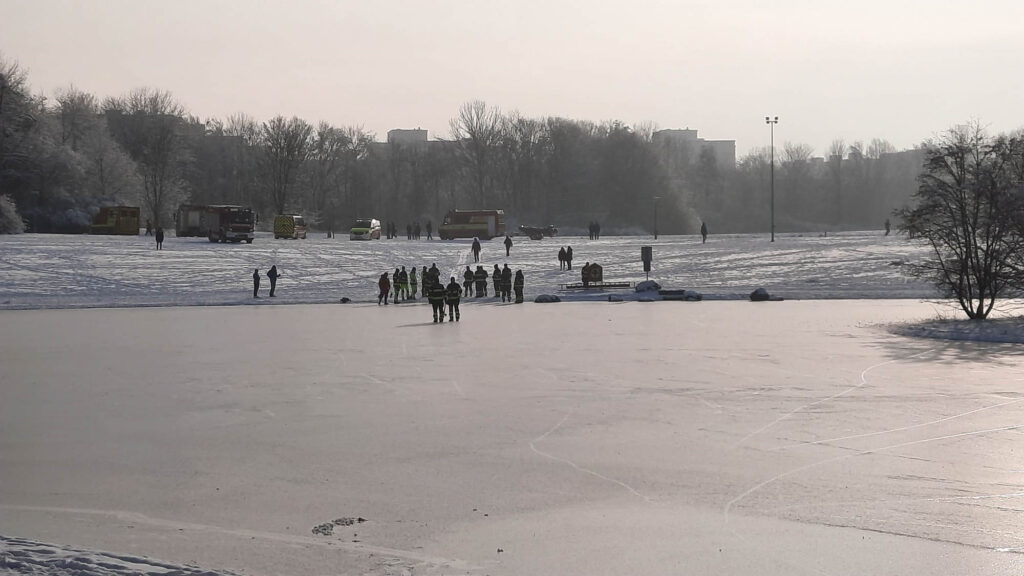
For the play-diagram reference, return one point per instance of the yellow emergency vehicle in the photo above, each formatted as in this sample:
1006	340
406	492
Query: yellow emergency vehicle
289	226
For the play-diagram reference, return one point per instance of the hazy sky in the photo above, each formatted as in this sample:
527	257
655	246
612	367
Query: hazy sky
896	69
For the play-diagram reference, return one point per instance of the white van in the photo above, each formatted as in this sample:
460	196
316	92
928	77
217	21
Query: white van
365	229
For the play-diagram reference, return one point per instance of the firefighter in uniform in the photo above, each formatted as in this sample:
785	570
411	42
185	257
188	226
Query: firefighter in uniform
496	279
506	284
467	282
452	295
480	277
436	298
396	285
413	288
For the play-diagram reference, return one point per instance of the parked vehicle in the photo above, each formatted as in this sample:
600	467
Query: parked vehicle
229	223
365	229
289	226
188	220
116	220
482	224
538	232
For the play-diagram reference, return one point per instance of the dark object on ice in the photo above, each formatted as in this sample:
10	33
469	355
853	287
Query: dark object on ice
325	529
647	286
272	274
703	232
591	273
759	295
159	238
345	300
545	298
538	232
256	283
614	298
684	295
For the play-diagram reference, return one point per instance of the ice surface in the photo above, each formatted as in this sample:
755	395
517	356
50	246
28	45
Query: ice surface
796	437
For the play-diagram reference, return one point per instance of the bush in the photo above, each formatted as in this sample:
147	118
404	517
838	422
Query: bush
10	221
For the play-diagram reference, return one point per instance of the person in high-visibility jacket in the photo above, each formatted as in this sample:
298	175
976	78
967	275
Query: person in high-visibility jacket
413	288
452	296
436	299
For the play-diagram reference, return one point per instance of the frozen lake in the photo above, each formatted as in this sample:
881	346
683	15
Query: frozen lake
55	271
726	438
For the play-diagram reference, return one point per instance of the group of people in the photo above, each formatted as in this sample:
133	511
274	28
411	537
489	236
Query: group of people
565	258
412	231
272	274
436	292
595	230
503	281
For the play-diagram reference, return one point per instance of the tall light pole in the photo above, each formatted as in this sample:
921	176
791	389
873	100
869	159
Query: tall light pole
771	123
656	198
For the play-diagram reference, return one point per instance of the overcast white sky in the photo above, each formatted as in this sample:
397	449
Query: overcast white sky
897	69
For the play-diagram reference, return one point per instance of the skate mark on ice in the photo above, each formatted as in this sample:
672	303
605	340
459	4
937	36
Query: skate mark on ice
863	381
894	430
575	466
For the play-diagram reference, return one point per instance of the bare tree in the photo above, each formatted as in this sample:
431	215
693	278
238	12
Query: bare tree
476	132
150	125
285	146
836	153
966	203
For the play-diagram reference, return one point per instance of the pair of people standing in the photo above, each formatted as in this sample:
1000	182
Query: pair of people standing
272	274
565	258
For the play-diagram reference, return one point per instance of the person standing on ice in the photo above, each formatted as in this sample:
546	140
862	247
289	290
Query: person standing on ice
159	238
568	257
476	249
436	299
561	258
403	284
452	297
430	229
272	274
518	284
888	227
508	244
467	282
396	285
480	277
506	284
424	280
413	288
703	232
256	283
496	280
385	289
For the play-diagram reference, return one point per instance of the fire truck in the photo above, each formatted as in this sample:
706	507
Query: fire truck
482	224
116	220
224	223
188	220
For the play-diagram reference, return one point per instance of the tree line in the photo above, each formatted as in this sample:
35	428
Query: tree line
62	158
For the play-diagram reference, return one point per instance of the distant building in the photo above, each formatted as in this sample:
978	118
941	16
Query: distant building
417	137
687	145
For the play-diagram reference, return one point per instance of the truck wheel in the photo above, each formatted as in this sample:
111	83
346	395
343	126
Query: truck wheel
248	240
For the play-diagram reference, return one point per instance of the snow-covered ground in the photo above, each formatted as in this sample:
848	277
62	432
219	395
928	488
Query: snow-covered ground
146	435
54	271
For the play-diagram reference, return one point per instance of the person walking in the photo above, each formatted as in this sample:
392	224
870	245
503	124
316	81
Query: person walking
568	257
508	244
453	294
385	289
480	278
496	280
561	258
149	227
888	227
159	238
272	274
506	284
467	282
413	288
256	283
476	249
518	284
703	232
436	299
430	230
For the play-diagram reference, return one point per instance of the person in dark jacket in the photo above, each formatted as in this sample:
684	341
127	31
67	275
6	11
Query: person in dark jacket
436	299
453	295
413	284
467	282
506	284
508	244
476	249
480	277
159	238
703	232
496	280
403	284
430	230
396	285
385	289
256	283
561	258
568	257
518	284
272	274
424	281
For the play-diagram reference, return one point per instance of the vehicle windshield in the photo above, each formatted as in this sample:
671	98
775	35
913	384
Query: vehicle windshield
363	224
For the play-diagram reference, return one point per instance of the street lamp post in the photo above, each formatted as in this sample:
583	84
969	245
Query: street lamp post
656	198
771	123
